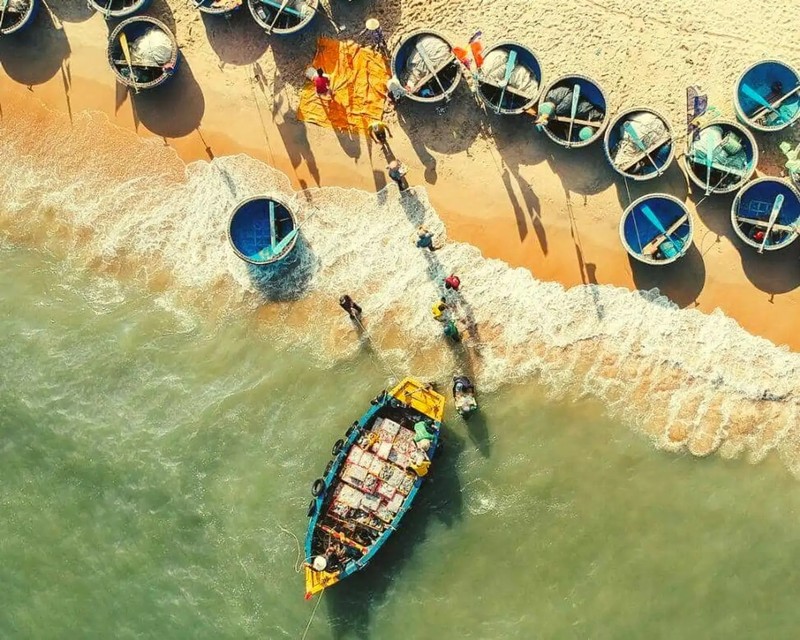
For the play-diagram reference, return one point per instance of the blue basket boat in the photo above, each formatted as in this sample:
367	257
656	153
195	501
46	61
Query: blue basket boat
116	9
639	144
656	229
766	214
426	66
510	78
767	96
153	53
18	15
370	484
218	7
283	18
262	230
557	104
722	157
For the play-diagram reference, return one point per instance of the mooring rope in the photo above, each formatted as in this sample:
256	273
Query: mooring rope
384	361
311	619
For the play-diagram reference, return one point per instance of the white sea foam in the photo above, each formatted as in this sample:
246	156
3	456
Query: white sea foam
693	381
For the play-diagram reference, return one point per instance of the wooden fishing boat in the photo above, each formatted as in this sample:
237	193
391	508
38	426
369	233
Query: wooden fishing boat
16	15
572	111
766	214
767	96
639	144
142	52
117	9
218	7
509	79
262	230
722	157
371	482
426	66
283	18
656	229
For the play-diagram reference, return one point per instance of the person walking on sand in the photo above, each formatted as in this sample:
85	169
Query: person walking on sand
322	85
395	90
378	131
425	239
397	172
349	305
452	282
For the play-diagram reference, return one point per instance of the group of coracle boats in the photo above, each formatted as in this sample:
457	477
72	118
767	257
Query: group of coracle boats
378	466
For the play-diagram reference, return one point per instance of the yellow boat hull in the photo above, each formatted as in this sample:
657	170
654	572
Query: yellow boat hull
420	397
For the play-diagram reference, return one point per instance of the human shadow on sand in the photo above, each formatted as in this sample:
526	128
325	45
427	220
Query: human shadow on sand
174	109
237	40
681	281
287	279
36	54
352	603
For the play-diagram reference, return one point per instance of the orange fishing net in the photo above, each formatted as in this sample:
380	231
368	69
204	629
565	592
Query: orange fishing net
358	80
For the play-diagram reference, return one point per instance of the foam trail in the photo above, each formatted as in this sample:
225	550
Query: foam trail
692	381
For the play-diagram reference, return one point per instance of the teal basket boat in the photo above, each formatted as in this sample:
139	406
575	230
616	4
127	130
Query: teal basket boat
283	18
639	144
767	96
262	230
656	229
766	214
510	78
722	157
575	109
426	66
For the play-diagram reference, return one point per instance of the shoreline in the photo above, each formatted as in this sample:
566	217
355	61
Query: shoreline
517	198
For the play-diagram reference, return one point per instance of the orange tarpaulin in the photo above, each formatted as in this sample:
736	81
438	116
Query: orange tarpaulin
358	81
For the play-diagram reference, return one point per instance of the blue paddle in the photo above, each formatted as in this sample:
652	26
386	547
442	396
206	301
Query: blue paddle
272	226
628	127
758	98
512	60
773	216
651	216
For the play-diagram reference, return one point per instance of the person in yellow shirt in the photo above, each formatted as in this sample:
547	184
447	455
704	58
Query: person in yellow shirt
438	309
378	131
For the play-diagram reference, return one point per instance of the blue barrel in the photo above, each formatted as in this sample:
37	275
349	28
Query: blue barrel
767	96
656	229
262	230
639	144
504	97
411	64
580	135
14	22
218	7
117	9
752	211
283	19
730	167
144	76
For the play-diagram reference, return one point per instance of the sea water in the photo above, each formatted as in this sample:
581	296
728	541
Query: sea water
164	412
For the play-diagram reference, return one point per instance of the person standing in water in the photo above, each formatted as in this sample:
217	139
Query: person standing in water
425	239
451	331
349	305
397	172
452	282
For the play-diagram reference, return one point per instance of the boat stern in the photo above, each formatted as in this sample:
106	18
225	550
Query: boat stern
420	397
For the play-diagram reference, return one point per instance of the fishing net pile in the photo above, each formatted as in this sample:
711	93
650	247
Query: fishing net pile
18	6
561	99
152	48
650	131
430	54
726	151
521	79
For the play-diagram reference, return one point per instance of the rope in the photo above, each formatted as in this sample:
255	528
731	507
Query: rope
310	620
385	362
298	563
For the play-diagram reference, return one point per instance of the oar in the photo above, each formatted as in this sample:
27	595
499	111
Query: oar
431	69
709	162
628	127
775	104
773	216
512	60
107	10
123	41
272	225
280	10
651	216
757	97
576	94
3	13
282	244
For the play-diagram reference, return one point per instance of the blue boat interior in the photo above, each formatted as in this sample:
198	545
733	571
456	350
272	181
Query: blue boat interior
251	231
756	201
16	21
639	229
660	155
509	100
142	75
589	93
445	77
763	85
277	15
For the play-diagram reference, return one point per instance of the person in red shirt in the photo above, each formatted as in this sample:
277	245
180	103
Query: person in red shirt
322	85
452	282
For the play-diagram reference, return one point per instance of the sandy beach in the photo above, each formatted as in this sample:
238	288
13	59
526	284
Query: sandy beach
496	182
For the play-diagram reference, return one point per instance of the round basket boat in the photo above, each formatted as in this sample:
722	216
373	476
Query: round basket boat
767	96
510	78
591	113
283	18
766	214
116	9
218	7
426	66
18	15
152	57
639	143
722	157
262	230
656	229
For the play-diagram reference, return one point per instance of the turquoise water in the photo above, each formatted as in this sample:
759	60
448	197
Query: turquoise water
150	457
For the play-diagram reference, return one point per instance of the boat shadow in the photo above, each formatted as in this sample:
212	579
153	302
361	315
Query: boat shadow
35	55
72	10
237	39
288	279
352	603
681	281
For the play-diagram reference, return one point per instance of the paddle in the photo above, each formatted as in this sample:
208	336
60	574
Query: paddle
427	62
3	13
280	10
512	60
651	216
289	236
272	225
757	97
773	216
709	161
775	104
123	41
107	9
628	127
576	94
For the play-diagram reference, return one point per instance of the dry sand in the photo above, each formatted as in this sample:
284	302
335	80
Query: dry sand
495	181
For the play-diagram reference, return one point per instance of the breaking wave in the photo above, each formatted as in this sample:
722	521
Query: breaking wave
113	202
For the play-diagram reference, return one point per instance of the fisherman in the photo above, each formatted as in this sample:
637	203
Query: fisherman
425	239
395	90
439	309
375	34
452	282
335	554
423	431
420	463
397	172
378	131
451	331
349	305
322	85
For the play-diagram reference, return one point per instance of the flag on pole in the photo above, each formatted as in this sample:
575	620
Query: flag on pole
477	49
696	106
